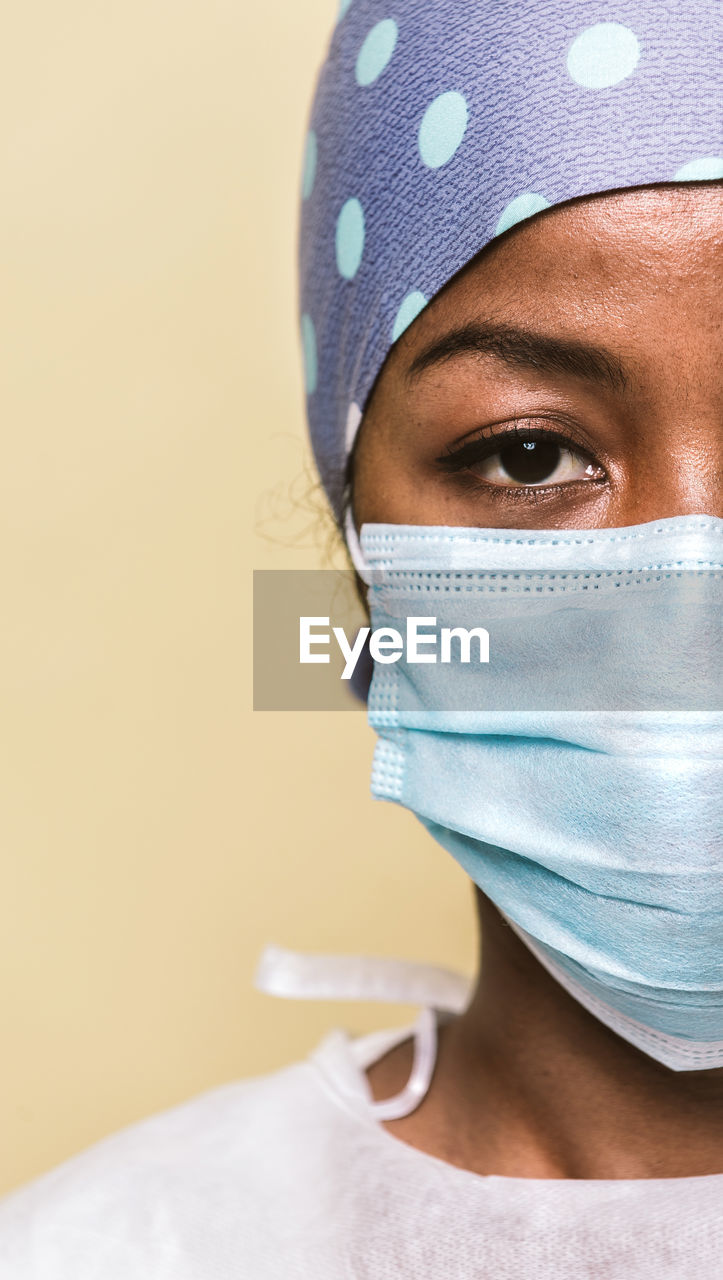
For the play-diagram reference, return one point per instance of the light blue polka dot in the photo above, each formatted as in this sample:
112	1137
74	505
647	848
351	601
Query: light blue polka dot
603	55
705	168
376	51
521	207
308	346
408	311
350	238
309	171
442	129
343	6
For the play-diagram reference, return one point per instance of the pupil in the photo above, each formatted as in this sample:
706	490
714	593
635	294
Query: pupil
530	461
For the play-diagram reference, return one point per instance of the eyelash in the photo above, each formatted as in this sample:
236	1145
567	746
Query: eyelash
457	461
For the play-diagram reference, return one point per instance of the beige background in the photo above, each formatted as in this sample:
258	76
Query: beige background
156	833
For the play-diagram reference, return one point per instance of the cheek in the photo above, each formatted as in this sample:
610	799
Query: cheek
384	487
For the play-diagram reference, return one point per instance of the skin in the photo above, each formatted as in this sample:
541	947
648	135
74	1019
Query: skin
528	1084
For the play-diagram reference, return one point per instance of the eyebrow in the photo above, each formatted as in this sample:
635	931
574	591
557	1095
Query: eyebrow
523	348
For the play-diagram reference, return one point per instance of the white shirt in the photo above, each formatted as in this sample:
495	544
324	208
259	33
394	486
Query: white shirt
292	1177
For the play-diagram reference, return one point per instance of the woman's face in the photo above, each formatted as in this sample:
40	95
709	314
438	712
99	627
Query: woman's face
571	376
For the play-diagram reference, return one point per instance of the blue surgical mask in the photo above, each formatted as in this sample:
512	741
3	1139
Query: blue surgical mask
577	775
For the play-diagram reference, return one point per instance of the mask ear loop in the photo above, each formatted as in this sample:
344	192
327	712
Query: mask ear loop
417	1086
352	541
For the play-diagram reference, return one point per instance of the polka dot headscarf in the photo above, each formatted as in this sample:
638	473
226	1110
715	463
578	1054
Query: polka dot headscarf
439	124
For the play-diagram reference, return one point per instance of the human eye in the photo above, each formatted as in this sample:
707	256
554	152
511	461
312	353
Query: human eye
521	457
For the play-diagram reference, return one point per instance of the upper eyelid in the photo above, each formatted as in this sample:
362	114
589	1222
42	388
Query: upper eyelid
488	445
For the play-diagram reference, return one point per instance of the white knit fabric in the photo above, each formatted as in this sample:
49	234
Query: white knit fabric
291	1177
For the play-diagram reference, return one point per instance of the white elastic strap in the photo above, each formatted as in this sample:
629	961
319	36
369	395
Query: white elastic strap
355	551
297	975
417	1086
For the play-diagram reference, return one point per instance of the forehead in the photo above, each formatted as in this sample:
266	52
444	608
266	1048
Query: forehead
625	240
637	275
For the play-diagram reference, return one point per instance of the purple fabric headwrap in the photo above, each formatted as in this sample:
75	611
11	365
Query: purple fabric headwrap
439	124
